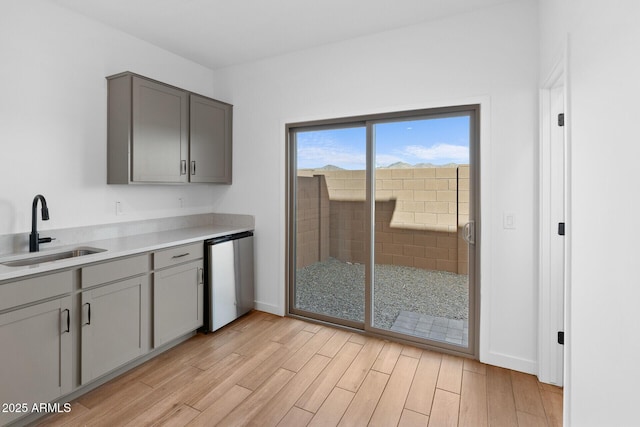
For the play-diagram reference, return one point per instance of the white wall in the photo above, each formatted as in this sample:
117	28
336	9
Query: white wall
491	56
53	118
603	338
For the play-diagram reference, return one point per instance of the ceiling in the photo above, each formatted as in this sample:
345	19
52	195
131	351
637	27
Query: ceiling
220	33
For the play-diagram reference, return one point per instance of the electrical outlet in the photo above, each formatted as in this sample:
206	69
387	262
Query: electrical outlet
119	210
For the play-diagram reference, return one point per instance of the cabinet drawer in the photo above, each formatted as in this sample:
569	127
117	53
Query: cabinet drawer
177	255
21	292
114	270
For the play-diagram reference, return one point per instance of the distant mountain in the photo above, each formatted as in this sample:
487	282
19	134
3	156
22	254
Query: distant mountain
399	165
327	168
403	165
396	165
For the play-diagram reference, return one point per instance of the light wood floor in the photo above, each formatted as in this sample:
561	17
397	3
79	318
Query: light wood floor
265	370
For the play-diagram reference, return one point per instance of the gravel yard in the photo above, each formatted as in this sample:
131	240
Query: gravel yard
336	288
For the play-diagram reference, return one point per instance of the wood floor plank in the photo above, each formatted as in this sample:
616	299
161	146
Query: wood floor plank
358	338
211	378
287	330
221	352
387	358
357	372
411	351
423	387
445	409
318	391
120	399
364	402
450	376
391	403
526	394
296	417
196	354
65	418
244	412
333	408
552	402
108	389
179	417
165	373
335	343
313	328
413	419
529	420
475	366
264	370
473	400
306	352
501	407
219	409
201	399
252	346
122	414
285	399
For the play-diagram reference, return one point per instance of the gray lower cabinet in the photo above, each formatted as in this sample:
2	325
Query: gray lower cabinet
177	301
115	326
37	356
91	321
157	133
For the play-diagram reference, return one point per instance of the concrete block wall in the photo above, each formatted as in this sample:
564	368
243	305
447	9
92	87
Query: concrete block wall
420	213
312	221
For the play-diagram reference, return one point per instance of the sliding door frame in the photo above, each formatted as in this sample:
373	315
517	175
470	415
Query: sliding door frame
368	121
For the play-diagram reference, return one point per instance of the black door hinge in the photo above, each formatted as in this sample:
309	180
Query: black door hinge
561	337
561	119
561	228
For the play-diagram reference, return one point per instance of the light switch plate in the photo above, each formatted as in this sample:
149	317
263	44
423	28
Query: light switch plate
509	220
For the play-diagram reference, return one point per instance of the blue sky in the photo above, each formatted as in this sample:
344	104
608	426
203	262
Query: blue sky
436	140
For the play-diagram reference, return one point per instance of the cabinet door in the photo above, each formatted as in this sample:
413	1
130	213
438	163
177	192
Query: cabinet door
159	132
115	326
36	355
178	299
210	140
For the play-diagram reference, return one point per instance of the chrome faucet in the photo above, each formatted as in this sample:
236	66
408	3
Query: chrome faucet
34	240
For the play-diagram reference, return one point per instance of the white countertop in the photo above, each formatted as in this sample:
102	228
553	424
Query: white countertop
116	247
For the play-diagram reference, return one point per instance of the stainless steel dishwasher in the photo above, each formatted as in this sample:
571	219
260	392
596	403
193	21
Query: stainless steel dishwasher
229	292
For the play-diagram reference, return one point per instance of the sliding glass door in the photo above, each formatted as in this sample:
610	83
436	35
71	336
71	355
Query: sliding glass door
421	187
382	220
330	206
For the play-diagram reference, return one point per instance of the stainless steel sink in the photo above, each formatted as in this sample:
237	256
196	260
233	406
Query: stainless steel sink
32	260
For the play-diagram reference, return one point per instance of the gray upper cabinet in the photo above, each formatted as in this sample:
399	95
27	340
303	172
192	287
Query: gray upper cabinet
159	133
210	140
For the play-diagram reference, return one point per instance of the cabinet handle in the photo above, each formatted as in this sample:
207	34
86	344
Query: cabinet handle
183	167
193	167
180	256
68	320
88	313
201	271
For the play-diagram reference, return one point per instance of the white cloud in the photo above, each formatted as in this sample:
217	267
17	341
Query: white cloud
320	156
439	153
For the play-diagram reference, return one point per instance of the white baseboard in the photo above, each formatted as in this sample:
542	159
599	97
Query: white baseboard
506	361
269	308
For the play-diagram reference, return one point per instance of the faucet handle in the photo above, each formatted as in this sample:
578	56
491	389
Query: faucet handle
46	239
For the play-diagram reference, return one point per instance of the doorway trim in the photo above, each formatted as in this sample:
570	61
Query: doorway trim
552	299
